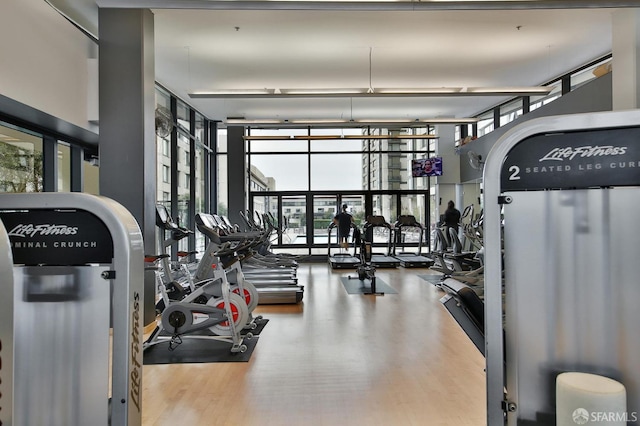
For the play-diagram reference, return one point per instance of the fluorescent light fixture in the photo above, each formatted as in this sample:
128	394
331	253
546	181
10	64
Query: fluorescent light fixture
418	91
322	92
233	93
339	137
245	122
338	123
514	91
318	121
267	138
372	92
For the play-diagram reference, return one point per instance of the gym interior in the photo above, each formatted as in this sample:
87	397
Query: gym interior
167	259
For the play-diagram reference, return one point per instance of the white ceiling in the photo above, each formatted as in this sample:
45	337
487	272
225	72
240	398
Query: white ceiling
200	50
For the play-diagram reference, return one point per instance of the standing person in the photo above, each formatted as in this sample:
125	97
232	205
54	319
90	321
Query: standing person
451	218
344	221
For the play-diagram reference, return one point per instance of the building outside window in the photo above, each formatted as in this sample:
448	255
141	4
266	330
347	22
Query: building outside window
21	161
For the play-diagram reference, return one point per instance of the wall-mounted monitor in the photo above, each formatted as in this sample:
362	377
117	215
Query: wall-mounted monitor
426	167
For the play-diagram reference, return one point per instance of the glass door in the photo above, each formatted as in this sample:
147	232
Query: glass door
294	219
414	205
355	207
325	207
265	208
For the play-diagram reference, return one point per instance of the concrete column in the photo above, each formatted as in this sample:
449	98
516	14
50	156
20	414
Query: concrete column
236	173
127	142
626	58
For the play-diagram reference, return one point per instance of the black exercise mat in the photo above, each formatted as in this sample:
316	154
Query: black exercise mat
197	350
433	279
259	327
355	286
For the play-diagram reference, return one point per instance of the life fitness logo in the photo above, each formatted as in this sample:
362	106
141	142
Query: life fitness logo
569	153
136	368
31	230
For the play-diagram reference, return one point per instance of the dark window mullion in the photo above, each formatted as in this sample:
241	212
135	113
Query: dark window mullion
174	170
192	180
211	167
49	164
77	169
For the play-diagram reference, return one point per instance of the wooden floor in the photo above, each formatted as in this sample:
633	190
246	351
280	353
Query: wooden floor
335	359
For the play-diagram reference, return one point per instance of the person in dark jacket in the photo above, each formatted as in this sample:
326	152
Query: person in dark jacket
344	221
451	218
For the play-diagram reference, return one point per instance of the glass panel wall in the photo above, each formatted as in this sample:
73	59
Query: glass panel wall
414	205
20	161
278	140
221	182
334	161
485	123
331	172
324	210
355	207
183	159
64	167
163	149
220	173
283	172
538	101
384	205
183	181
510	111
199	170
294	215
267	204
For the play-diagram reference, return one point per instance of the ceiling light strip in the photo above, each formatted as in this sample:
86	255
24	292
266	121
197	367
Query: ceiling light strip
371	93
366	5
348	123
338	137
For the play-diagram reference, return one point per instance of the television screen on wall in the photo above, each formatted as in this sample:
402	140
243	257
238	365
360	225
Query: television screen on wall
426	167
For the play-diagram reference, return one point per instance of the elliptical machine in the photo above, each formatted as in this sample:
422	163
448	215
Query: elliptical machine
365	269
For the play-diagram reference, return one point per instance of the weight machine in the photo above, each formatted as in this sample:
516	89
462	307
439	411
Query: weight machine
71	320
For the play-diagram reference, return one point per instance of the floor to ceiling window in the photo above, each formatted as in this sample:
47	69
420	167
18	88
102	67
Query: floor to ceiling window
185	167
163	148
201	151
303	176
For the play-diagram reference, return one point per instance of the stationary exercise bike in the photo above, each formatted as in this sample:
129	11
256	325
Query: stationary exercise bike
211	305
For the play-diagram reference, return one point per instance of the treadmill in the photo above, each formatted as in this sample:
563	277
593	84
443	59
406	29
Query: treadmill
269	291
340	260
377	259
407	259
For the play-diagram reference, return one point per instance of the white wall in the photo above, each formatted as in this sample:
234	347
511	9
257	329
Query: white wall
44	60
